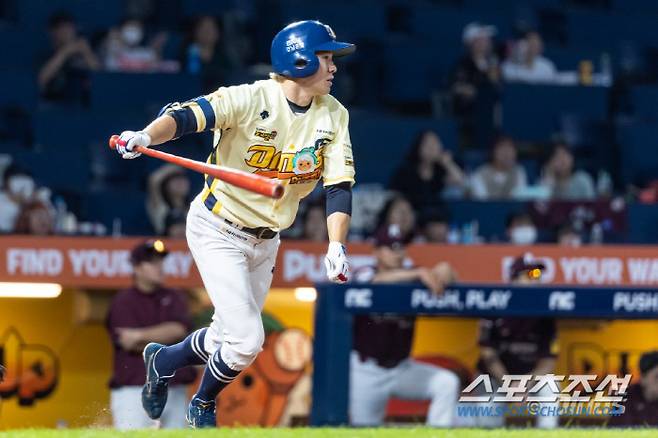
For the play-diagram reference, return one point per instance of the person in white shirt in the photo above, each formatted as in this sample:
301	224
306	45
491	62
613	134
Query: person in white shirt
527	63
502	177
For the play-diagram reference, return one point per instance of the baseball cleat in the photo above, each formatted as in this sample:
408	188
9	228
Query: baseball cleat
201	414
154	392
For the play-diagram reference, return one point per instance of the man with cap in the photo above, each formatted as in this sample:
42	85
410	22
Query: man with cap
146	312
513	346
641	403
380	366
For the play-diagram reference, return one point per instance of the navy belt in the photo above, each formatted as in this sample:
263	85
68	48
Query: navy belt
258	232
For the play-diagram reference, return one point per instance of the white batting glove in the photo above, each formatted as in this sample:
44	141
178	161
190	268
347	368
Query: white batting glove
128	140
336	263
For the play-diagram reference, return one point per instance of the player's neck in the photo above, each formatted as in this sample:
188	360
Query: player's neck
296	93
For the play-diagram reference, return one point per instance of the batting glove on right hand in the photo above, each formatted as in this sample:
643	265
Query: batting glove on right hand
336	263
128	140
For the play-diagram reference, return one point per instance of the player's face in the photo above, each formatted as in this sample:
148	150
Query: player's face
390	258
150	272
320	83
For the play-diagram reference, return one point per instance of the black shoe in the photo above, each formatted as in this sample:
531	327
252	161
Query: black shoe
201	414
154	392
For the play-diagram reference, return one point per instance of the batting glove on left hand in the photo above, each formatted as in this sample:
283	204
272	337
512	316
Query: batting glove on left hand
336	263
128	140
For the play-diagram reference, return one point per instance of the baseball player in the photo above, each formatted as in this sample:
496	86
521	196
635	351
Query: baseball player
517	346
380	363
287	127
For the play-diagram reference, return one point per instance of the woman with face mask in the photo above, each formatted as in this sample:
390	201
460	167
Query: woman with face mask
126	51
520	229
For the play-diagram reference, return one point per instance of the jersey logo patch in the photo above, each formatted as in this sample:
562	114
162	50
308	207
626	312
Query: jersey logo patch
264	114
298	167
265	134
304	161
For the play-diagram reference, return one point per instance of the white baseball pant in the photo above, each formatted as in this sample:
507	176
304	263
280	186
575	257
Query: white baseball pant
236	269
371	386
543	422
127	411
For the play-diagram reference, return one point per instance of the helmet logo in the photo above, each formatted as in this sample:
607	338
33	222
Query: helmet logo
294	43
330	31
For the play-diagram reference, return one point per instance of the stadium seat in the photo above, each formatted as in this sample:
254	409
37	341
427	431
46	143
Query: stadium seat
381	141
604	30
491	215
20	50
443	26
53	169
148	90
127	208
642	220
532	112
407	76
90	15
20	90
351	20
644	101
639	162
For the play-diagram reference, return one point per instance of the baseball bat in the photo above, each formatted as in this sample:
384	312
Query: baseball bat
239	178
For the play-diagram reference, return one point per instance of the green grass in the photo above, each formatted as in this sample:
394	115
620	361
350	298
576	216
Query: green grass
335	433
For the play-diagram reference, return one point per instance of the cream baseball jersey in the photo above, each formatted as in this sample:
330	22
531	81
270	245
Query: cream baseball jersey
256	131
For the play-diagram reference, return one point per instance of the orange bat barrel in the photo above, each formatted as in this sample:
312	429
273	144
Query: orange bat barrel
271	188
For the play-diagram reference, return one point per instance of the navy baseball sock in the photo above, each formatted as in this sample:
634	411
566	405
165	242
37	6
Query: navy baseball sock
189	351
216	377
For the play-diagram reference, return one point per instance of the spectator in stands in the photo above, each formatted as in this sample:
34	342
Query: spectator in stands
567	235
175	224
562	181
380	366
513	346
526	64
476	84
398	211
205	53
19	188
427	169
434	226
35	218
147	312
520	229
502	177
315	224
64	73
168	193
125	48
642	398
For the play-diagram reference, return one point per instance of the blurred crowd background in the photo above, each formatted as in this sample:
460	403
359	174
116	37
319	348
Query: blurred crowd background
472	121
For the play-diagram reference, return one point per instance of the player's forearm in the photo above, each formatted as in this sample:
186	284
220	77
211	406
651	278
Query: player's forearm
161	130
338	226
164	333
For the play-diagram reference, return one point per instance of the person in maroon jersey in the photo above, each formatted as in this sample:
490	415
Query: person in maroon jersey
380	366
146	312
518	346
641	398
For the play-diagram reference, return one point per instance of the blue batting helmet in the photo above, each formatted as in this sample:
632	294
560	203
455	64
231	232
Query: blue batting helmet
294	48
